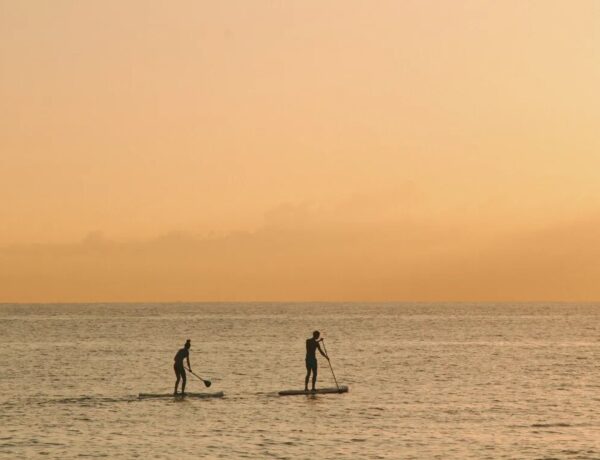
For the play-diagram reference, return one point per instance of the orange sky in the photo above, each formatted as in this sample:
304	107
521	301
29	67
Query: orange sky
299	150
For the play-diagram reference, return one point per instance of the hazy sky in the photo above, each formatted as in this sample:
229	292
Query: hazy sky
299	150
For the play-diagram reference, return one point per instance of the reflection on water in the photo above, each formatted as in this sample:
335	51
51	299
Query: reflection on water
447	381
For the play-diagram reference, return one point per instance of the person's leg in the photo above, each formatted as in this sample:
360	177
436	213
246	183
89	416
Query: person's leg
314	375
178	378
306	380
183	380
307	376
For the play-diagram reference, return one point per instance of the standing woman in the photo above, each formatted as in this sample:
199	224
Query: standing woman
183	353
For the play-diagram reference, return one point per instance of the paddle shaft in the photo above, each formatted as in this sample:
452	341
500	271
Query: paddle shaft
330	367
206	382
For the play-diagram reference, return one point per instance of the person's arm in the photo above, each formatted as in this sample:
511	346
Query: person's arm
321	351
188	360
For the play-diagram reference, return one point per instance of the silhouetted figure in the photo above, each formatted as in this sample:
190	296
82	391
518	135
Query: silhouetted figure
183	353
312	345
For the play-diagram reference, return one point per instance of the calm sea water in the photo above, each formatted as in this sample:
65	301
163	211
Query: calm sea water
426	381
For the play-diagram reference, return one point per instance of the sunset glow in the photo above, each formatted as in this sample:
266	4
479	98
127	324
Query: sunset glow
341	150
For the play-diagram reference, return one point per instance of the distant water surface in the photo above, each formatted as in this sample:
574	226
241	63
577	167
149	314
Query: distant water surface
463	381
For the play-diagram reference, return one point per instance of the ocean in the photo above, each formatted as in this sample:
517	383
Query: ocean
427	381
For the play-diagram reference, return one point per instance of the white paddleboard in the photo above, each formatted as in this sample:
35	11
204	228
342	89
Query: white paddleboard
219	394
318	391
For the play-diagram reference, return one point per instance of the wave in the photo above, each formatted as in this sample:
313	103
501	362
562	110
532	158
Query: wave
87	400
550	425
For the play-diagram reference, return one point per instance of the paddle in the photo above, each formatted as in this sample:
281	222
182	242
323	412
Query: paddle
329	361
206	382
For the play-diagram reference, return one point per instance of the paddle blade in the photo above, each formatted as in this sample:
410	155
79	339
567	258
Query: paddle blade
207	383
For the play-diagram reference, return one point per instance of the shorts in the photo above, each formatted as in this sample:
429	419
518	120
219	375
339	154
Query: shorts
311	364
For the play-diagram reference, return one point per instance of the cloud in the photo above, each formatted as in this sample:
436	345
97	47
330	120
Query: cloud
303	253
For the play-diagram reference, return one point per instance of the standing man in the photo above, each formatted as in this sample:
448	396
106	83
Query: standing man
183	353
312	345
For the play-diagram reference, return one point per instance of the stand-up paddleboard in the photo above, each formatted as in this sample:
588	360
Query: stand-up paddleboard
318	391
219	394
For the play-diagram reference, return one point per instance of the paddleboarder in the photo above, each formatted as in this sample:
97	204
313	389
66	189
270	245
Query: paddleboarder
183	353
312	345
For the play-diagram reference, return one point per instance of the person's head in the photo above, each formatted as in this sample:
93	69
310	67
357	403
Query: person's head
188	343
316	335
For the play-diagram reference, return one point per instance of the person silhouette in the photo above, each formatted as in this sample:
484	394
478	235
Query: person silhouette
183	353
312	345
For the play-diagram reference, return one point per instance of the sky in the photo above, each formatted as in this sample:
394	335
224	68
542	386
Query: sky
299	150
